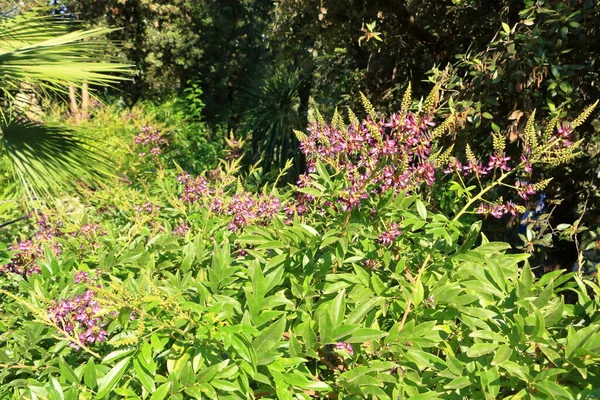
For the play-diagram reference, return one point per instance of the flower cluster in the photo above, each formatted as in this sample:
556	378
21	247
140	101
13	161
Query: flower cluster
387	237
524	189
344	346
24	260
78	317
147	208
235	148
152	140
90	234
181	229
244	208
82	277
194	189
497	210
375	155
27	252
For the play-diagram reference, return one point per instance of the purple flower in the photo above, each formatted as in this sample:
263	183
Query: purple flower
524	189
78	317
345	346
499	161
476	168
387	237
181	229
82	276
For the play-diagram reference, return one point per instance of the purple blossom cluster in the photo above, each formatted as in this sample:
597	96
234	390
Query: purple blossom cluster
387	237
195	189
244	208
524	189
82	277
152	141
497	210
375	156
345	346
27	252
78	317
147	208
235	149
90	234
181	229
24	260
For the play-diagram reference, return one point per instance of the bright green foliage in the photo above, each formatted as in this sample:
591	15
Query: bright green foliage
298	306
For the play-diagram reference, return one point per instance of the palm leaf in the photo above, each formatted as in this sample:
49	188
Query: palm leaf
41	50
49	160
39	53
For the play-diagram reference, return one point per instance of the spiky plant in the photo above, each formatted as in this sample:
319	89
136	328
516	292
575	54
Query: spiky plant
274	117
41	54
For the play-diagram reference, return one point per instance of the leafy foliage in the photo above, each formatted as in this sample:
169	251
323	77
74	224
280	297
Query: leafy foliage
199	287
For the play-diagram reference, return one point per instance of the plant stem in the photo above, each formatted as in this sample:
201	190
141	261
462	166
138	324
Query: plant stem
484	191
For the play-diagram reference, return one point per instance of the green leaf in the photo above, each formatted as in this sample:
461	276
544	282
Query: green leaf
421	209
161	392
365	335
459	383
269	337
310	191
502	354
67	372
576	341
89	374
454	365
322	170
553	389
112	377
225	385
488	335
144	376
480	349
506	28
338	309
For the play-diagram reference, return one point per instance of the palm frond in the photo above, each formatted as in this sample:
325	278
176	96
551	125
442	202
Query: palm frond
49	160
43	51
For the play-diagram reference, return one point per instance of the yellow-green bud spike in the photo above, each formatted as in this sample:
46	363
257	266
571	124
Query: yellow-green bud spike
443	158
407	98
441	129
338	121
549	129
300	135
320	119
499	143
470	154
352	117
369	109
529	136
541	185
374	131
432	99
583	116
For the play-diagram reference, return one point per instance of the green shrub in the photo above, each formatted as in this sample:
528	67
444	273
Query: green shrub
182	286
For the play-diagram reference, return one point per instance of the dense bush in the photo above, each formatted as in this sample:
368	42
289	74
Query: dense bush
350	284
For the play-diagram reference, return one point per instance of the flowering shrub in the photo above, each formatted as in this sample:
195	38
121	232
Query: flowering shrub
348	285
